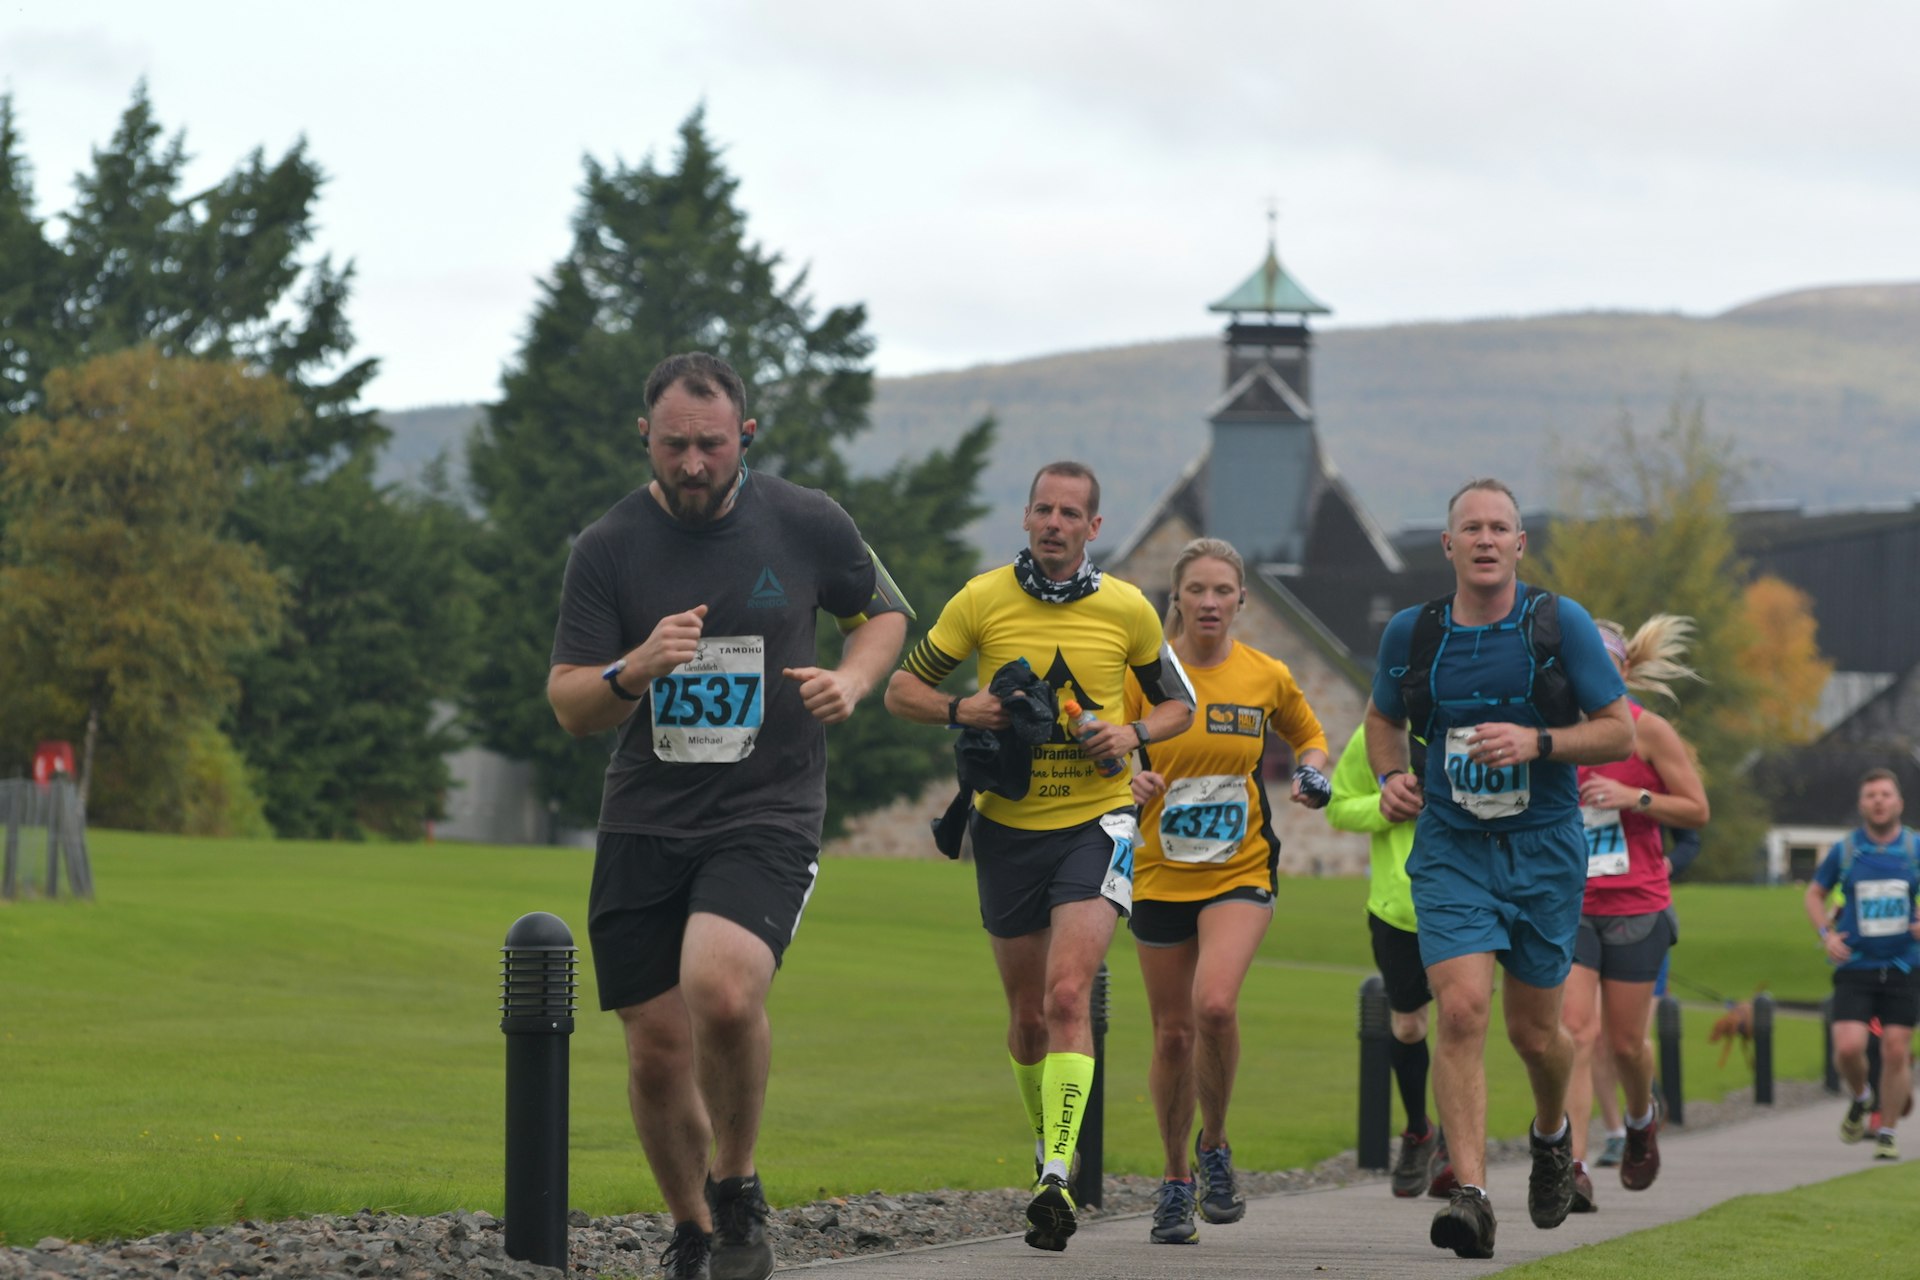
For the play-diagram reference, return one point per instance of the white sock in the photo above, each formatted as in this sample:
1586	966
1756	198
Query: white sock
1617	1133
1865	1095
1556	1135
1886	1131
1055	1167
1640	1122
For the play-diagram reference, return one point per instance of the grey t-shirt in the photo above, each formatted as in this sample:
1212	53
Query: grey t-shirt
724	741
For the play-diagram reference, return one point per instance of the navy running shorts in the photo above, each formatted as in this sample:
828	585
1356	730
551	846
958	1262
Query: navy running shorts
645	887
1514	894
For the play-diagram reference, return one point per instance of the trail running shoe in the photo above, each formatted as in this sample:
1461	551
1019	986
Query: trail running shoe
1582	1191
1465	1225
1443	1180
1413	1170
1884	1147
1854	1126
1050	1215
1641	1163
740	1247
1173	1216
1550	1184
1611	1153
1220	1198
685	1257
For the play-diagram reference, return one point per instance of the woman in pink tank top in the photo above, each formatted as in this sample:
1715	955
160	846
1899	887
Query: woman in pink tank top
1626	926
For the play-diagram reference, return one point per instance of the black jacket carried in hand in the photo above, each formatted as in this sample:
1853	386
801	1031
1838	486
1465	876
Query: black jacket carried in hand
999	760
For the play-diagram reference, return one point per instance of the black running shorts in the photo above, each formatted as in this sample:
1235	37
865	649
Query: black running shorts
645	887
1158	923
1024	875
1396	953
1891	995
1624	948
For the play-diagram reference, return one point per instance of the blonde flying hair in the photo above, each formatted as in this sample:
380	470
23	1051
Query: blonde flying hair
1198	549
1652	654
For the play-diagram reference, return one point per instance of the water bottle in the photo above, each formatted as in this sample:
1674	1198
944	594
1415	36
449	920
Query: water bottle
1085	725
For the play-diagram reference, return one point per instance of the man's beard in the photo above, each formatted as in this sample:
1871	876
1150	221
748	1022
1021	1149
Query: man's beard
697	506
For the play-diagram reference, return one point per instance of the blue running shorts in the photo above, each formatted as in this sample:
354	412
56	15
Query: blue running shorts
1516	894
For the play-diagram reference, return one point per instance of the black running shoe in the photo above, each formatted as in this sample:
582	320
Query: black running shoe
1173	1216
1050	1215
1641	1163
685	1257
1413	1170
740	1247
1465	1225
1550	1185
1214	1184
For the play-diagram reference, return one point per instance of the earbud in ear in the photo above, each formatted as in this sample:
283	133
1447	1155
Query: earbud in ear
646	442
1243	597
746	441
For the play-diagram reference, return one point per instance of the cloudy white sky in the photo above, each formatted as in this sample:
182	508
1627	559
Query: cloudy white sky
997	180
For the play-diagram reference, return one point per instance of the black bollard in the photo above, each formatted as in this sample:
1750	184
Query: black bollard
1763	1049
1376	1075
536	1013
1086	1187
1670	1090
1832	1078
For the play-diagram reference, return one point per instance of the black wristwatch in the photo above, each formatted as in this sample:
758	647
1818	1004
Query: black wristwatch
1139	727
953	713
612	676
1543	745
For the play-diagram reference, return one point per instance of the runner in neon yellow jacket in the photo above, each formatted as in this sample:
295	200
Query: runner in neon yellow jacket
1422	1163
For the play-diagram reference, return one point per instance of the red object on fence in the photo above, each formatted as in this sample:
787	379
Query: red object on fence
52	759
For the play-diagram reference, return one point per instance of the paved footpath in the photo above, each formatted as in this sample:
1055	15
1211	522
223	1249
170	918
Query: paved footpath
1365	1231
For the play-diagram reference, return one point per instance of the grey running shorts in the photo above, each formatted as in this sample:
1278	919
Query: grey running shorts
645	887
1624	948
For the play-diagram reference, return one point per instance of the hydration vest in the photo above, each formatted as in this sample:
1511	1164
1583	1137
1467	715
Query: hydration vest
1549	691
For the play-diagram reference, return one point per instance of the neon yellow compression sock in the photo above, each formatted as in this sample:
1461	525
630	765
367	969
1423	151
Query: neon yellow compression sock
1027	1075
1068	1080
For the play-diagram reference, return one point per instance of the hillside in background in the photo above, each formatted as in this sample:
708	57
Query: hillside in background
1815	386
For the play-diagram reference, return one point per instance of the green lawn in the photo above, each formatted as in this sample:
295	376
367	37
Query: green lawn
261	1029
1858	1226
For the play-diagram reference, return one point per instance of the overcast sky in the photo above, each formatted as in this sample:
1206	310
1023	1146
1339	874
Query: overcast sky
997	180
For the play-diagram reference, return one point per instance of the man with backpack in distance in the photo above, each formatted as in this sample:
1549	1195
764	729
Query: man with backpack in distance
1874	944
1505	689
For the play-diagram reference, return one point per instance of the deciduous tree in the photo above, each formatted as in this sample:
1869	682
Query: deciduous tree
124	597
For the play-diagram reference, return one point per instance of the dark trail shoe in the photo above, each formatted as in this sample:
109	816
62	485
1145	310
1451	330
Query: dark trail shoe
1641	1163
1550	1185
1214	1184
1413	1170
1582	1192
685	1257
740	1247
1465	1225
1173	1216
1443	1180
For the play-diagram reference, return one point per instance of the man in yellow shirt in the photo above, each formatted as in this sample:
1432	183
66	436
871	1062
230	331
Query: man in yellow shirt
1054	868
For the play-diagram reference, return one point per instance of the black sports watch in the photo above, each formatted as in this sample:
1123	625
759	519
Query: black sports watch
1543	744
1140	728
612	676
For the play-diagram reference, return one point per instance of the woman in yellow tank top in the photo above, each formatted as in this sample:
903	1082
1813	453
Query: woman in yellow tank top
1204	875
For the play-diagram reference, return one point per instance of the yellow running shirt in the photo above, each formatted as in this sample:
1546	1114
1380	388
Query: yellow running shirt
1212	829
1083	649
